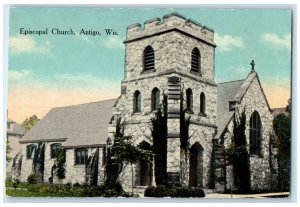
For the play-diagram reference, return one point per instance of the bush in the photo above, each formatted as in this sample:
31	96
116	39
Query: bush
16	183
32	179
173	191
77	190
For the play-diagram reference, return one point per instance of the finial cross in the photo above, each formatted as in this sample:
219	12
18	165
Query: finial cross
252	65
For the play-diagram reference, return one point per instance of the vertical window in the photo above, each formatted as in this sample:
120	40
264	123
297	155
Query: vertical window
155	99
103	156
137	101
81	156
189	100
255	134
30	151
195	63
149	58
202	103
54	149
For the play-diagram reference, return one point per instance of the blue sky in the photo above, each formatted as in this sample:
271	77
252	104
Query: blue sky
48	71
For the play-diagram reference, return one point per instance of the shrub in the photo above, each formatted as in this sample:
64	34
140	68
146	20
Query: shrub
32	179
16	183
174	191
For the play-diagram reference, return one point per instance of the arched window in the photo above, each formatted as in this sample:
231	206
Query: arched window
137	101
189	100
202	103
30	151
255	134
196	60
149	58
155	99
54	148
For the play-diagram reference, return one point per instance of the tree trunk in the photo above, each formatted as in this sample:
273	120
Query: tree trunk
131	179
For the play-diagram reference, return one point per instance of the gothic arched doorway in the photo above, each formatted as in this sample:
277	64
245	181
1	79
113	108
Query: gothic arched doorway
196	166
145	167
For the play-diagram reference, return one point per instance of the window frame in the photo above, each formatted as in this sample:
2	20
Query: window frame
137	102
52	153
189	100
255	134
82	152
196	56
155	99
202	104
148	64
31	152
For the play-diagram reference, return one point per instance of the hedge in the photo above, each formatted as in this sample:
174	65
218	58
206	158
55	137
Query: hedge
174	192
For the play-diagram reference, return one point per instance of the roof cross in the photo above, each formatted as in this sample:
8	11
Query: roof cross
252	66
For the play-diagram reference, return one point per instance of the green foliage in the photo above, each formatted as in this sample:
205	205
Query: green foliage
60	163
282	128
16	183
28	123
76	190
32	179
174	192
8	150
160	135
237	154
127	152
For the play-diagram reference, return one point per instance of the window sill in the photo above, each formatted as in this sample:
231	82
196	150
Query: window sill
148	71
137	113
202	114
256	156
196	73
189	111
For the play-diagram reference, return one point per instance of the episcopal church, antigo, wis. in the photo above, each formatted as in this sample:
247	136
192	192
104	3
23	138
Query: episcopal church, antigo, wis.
172	57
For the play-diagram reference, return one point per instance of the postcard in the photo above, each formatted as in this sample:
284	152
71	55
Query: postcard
148	102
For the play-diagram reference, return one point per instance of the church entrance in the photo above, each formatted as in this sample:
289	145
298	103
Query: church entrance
196	166
145	167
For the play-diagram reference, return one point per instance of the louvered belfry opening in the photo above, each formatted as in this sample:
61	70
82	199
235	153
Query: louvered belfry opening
195	60
149	58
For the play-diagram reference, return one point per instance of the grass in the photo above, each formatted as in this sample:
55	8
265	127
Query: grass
25	193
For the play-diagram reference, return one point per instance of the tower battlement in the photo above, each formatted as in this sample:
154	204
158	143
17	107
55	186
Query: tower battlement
172	21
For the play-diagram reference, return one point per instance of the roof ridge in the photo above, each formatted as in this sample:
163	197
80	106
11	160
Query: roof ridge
57	107
232	81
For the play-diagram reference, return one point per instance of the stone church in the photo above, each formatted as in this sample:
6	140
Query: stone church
173	57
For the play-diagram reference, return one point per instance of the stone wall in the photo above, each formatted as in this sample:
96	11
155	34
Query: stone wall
261	175
15	149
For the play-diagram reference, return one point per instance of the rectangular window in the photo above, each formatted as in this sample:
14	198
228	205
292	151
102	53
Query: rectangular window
81	156
54	149
104	156
30	151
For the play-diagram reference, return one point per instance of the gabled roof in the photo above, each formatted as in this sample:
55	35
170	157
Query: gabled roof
79	125
226	91
233	91
16	129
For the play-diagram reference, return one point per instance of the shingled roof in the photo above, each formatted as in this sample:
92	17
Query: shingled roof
78	126
15	129
226	92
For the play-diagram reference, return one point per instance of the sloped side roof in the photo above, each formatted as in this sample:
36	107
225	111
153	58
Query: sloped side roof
226	92
80	125
16	128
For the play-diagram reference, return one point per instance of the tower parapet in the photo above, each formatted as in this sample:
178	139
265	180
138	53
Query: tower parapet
172	21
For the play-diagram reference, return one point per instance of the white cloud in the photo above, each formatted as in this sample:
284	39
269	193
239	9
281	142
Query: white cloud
17	74
114	42
80	77
227	42
24	44
85	39
276	41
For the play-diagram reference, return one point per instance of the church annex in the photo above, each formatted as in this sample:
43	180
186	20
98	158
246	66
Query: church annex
173	56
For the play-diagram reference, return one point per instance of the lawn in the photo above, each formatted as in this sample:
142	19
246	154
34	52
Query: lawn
22	192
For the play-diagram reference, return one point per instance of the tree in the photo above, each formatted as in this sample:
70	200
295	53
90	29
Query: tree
160	135
8	150
282	129
237	154
60	163
28	123
128	153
